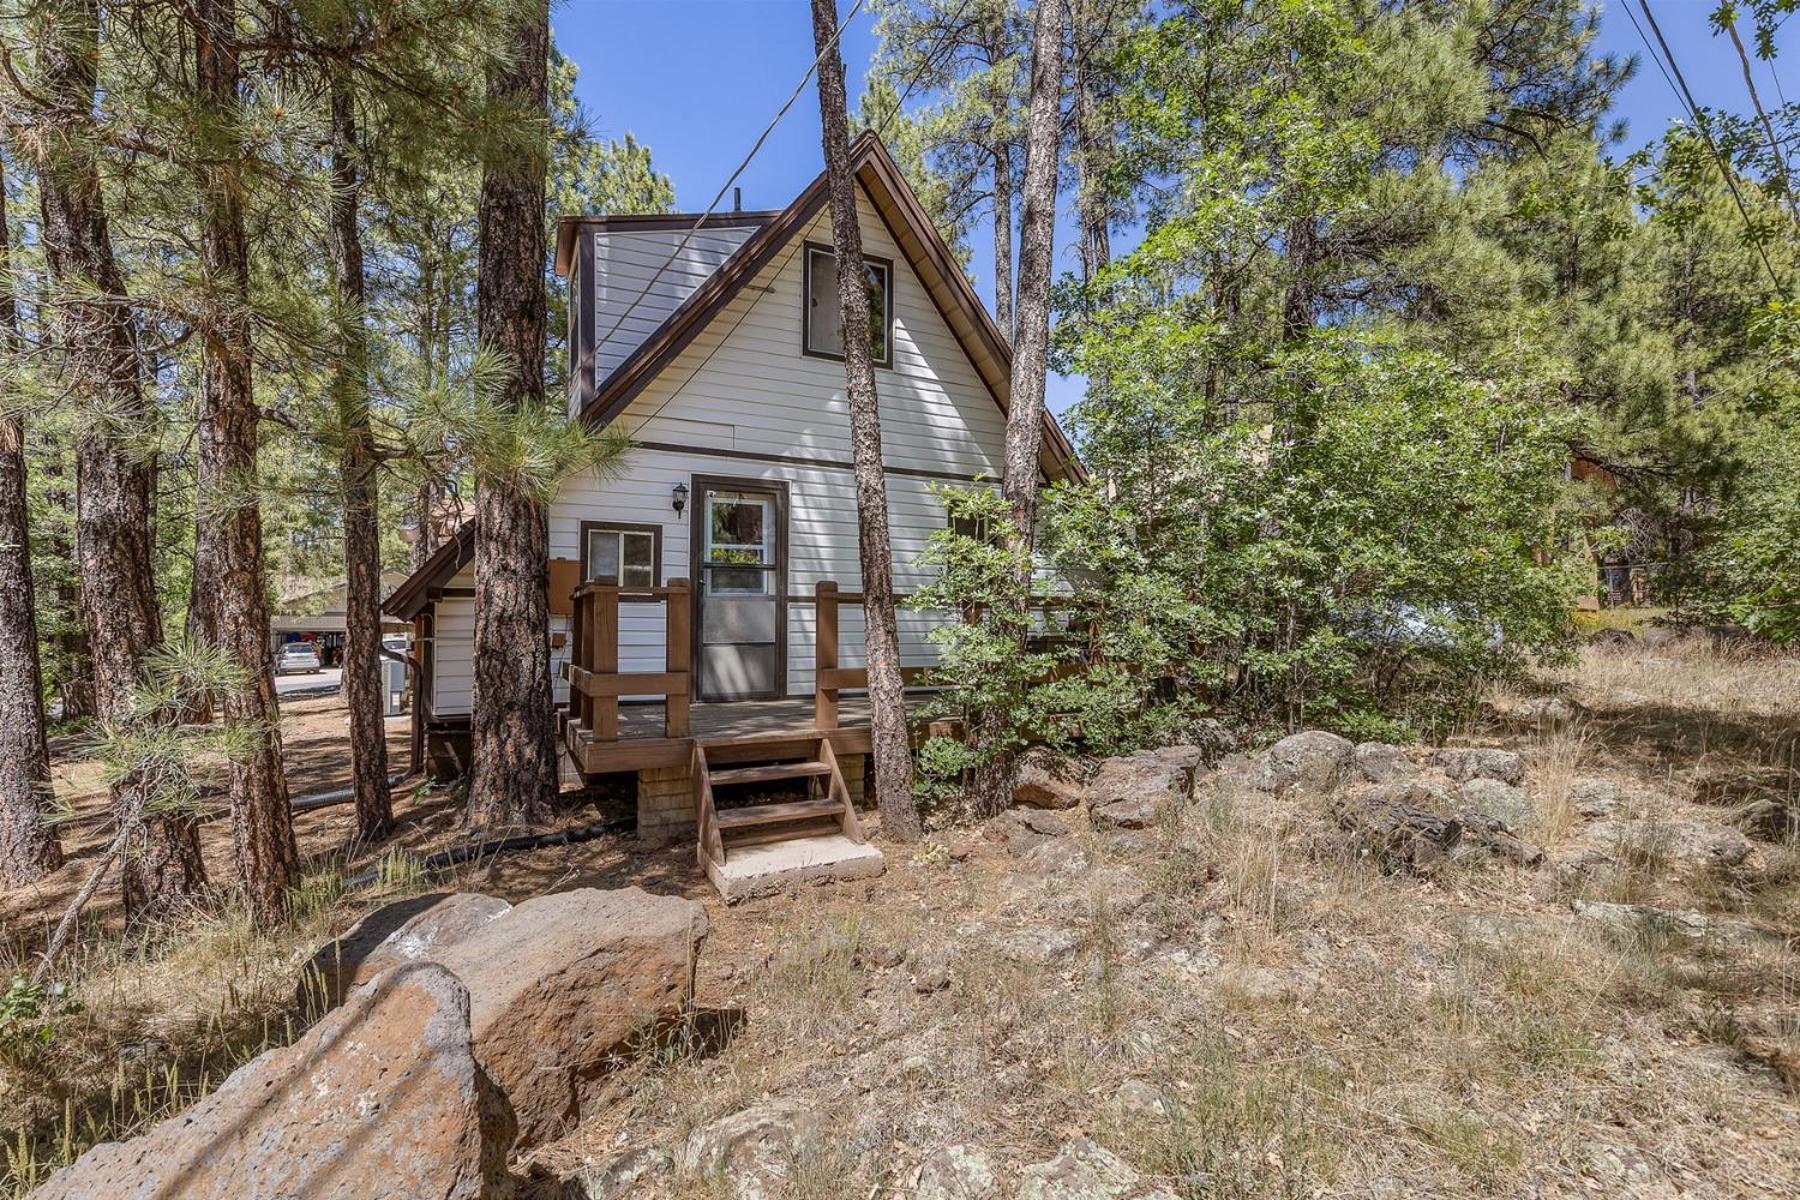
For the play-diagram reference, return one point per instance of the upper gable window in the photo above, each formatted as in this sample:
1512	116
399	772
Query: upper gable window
824	333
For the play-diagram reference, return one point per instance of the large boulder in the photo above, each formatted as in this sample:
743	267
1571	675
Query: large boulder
1024	829
1132	790
1481	762
1379	762
1694	845
1166	774
403	932
561	985
384	1096
1049	780
1500	801
1084	1171
1630	924
756	1153
1313	762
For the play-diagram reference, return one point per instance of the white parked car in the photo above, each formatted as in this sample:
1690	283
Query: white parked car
297	658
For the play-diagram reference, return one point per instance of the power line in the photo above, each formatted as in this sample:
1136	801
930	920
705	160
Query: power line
1686	98
724	187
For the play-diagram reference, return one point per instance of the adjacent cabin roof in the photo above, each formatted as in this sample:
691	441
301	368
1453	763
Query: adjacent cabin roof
410	598
911	228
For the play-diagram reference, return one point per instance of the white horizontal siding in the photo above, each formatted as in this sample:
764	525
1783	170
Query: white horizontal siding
452	655
745	374
744	386
635	291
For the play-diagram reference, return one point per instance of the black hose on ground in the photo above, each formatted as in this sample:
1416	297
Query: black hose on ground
457	855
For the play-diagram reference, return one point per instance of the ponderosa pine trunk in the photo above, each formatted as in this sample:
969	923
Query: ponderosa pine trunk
892	752
1003	237
29	849
1092	149
513	723
228	550
114	478
1037	230
1031	340
357	467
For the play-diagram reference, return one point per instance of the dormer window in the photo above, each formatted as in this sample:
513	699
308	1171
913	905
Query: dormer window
824	332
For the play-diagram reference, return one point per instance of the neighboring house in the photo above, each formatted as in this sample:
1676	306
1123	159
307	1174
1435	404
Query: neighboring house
725	372
314	612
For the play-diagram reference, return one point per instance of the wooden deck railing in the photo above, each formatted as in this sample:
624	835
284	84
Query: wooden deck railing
829	678
595	681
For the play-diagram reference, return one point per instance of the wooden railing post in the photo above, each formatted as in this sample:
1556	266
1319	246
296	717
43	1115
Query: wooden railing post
580	708
678	636
605	654
825	654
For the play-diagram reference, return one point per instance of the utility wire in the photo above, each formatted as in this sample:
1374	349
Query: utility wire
925	62
724	187
1686	98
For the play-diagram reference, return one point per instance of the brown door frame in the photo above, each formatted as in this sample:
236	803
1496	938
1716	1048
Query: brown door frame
778	488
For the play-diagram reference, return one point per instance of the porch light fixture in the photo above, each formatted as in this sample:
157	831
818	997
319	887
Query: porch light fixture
679	497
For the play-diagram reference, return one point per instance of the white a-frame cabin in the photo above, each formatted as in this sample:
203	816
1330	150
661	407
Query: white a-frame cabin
696	630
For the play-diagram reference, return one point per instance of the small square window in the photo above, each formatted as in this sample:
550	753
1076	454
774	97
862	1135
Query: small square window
628	553
824	331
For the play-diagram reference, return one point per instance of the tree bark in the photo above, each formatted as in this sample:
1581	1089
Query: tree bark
881	637
114	480
1092	149
1003	238
357	467
513	727
29	849
992	785
1030	360
228	551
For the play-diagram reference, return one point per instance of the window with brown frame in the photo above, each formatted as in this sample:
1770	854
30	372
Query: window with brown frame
823	335
632	554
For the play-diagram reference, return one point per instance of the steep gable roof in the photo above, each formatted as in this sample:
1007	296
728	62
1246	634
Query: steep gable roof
918	239
925	252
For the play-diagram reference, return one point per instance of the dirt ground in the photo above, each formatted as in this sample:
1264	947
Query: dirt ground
1227	1001
315	748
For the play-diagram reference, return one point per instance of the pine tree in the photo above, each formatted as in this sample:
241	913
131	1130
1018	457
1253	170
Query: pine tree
99	356
968	53
358	467
228	542
513	727
887	697
28	846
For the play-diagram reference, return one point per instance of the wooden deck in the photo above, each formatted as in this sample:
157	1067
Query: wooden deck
607	734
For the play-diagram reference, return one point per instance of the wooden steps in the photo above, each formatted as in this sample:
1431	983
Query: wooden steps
752	815
772	773
739	762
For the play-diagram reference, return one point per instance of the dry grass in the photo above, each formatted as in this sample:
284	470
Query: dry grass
1307	1025
140	1029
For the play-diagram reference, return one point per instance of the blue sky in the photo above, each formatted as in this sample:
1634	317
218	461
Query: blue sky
697	80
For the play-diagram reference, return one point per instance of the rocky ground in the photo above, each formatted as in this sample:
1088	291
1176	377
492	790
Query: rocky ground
1560	957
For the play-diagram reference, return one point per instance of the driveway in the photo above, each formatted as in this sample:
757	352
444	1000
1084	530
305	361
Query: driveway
324	683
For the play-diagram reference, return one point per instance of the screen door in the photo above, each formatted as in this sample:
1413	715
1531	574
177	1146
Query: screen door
741	641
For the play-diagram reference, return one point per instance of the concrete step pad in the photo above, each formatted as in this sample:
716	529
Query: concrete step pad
775	866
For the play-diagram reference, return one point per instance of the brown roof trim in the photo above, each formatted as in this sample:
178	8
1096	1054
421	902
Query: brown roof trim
568	227
657	351
411	597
